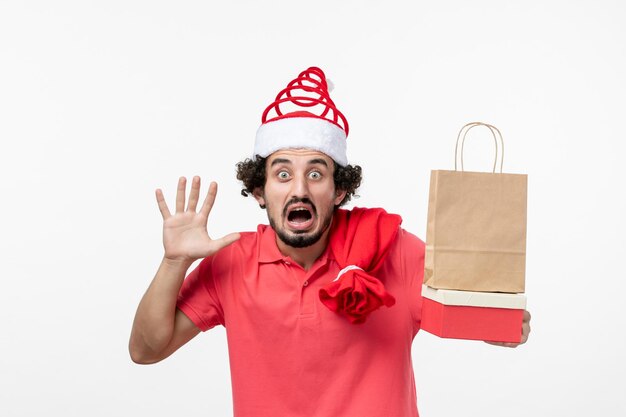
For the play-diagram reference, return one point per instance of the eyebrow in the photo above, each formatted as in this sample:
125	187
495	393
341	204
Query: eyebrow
280	161
318	161
311	162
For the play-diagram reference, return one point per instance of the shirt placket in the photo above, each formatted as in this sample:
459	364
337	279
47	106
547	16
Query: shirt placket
308	286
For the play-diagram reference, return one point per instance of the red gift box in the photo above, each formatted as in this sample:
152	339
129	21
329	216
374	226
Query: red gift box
473	315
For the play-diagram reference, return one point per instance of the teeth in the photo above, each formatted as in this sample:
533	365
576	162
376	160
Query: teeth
300	209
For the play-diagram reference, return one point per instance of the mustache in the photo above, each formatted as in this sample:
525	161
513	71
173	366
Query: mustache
296	200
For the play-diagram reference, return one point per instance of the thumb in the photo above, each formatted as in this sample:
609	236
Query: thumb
226	240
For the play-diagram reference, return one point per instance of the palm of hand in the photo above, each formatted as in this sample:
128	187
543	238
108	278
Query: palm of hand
185	236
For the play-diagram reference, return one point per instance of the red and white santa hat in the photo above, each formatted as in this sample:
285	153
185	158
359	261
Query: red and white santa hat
303	116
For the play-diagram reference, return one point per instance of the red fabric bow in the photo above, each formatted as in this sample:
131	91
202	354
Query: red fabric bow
360	237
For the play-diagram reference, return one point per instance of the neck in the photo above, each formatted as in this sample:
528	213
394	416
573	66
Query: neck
305	257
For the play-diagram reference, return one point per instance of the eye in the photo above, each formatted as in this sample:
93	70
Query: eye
283	175
315	175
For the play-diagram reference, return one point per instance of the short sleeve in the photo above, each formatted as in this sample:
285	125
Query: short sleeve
412	253
198	298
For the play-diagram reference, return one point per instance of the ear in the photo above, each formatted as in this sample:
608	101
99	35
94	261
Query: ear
340	194
258	196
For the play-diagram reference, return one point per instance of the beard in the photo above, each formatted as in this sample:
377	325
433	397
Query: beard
300	239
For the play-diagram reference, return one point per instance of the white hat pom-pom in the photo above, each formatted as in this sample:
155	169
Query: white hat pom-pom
330	85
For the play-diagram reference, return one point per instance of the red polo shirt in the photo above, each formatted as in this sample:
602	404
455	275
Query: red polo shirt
291	356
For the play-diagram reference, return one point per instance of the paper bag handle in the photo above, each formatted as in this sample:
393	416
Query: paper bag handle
493	131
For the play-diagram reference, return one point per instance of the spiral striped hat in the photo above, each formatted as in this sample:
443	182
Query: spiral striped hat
303	116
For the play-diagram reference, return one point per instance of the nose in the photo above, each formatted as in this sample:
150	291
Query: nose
300	187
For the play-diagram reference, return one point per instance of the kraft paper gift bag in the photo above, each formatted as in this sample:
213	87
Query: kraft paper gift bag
476	232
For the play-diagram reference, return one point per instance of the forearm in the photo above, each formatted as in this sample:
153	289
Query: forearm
159	329
154	322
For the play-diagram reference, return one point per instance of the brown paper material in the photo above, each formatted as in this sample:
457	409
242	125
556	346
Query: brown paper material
476	232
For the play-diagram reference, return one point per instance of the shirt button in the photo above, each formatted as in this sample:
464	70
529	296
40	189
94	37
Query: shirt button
305	283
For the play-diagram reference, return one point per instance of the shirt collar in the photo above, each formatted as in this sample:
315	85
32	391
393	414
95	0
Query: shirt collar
268	249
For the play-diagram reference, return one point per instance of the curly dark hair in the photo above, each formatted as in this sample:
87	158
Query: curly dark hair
252	173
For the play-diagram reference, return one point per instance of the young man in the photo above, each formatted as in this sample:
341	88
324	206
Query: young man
322	306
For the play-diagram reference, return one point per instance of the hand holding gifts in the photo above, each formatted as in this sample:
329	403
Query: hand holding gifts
475	250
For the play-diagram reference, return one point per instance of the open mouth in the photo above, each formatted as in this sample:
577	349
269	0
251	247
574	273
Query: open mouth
300	217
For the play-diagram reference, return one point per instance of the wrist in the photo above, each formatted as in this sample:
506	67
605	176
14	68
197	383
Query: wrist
177	263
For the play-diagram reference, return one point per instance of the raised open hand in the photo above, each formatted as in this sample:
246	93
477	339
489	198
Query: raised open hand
185	235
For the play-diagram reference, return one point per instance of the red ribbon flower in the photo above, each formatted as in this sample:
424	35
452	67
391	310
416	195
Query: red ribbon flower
355	295
360	239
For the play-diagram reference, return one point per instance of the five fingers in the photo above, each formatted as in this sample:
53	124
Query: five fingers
193	198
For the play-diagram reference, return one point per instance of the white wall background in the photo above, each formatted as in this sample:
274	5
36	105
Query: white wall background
102	102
